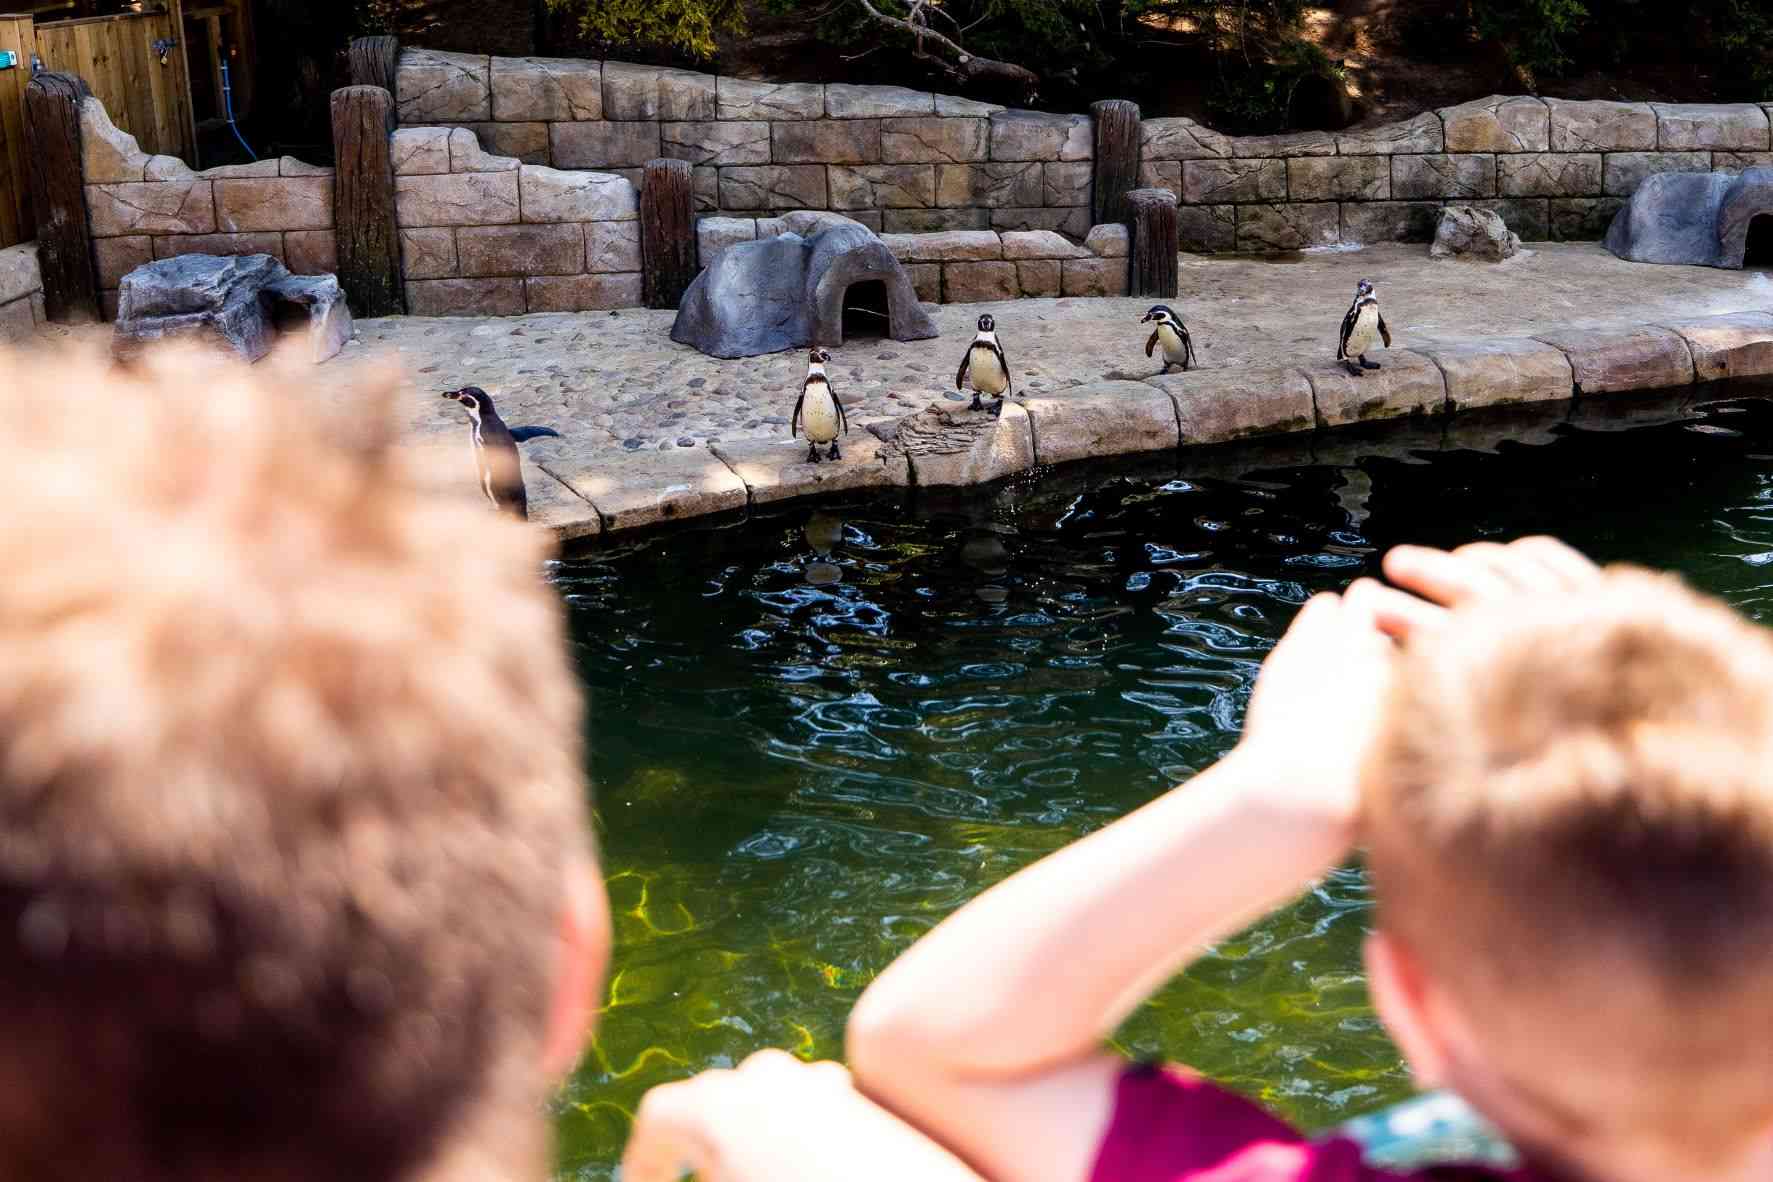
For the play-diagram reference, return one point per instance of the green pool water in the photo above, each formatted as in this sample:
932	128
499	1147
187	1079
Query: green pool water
815	734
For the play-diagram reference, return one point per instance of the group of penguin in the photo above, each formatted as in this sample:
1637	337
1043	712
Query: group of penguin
819	415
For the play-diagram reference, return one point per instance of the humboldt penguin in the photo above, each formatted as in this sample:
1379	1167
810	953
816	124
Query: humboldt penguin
1360	328
985	368
496	460
1172	334
817	410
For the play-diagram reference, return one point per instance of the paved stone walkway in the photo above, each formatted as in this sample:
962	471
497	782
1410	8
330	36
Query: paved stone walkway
615	383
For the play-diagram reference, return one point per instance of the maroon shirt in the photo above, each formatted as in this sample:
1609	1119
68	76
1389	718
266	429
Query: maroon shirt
1169	1125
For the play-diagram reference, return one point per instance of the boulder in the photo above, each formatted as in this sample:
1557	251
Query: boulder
788	291
1694	218
1466	232
238	301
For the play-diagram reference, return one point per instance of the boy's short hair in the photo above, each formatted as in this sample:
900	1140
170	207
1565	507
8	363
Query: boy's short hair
1570	824
290	780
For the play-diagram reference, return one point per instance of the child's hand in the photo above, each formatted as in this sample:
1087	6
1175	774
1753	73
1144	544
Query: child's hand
1316	708
1442	580
777	1119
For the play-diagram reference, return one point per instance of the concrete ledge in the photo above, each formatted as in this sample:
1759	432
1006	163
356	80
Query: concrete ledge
1501	372
1105	419
776	469
1739	345
644	488
1604	361
1410	384
552	503
947	444
1217	405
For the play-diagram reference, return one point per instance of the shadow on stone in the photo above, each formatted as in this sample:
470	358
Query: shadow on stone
788	292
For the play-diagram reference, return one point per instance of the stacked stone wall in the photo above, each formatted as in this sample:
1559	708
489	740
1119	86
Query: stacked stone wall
488	235
906	161
21	293
141	207
964	266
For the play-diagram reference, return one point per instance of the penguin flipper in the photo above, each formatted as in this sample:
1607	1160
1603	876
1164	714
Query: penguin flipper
1384	333
1009	383
960	375
1187	345
1152	343
1347	327
794	423
524	434
843	420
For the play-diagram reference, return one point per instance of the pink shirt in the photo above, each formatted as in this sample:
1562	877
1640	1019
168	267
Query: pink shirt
1169	1125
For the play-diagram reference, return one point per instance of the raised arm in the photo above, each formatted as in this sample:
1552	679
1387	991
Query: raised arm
988	1032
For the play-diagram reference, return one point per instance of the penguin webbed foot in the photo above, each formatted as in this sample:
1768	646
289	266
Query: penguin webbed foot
1353	369
997	409
834	454
1365	364
977	405
812	453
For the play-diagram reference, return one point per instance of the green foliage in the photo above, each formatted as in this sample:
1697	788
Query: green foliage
1533	33
687	26
1745	48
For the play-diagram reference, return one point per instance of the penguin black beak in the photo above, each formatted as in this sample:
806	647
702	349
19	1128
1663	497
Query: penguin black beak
1147	317
453	395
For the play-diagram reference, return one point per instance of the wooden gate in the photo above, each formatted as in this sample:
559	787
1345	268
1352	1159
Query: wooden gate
135	64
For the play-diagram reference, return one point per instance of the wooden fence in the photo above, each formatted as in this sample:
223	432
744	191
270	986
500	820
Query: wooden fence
135	64
15	184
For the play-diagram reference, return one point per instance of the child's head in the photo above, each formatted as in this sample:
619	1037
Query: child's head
1570	829
290	791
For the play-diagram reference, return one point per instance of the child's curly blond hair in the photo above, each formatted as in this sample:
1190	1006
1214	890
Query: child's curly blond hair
290	773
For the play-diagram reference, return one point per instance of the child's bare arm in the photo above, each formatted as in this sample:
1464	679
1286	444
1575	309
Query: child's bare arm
776	1119
988	1032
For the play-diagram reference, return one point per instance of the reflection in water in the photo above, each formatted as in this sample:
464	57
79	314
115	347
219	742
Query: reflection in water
799	774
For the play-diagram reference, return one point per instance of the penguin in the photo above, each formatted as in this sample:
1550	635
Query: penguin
1172	334
496	459
1360	328
818	410
986	368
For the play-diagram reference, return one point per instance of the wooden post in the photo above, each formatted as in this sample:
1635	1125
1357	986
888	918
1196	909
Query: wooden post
375	61
667	232
363	200
1117	160
1151	255
58	196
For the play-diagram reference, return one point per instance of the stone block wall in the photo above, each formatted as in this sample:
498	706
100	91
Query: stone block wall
964	266
897	160
489	235
1553	169
905	161
141	207
21	293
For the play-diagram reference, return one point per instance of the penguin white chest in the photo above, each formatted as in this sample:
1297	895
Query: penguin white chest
1365	330
818	413
1171	341
986	371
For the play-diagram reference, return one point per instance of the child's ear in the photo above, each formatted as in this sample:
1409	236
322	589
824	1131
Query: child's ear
581	959
1399	992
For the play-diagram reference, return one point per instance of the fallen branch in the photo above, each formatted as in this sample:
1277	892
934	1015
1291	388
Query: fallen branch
967	67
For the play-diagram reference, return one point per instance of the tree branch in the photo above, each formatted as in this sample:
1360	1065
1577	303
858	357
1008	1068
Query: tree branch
967	67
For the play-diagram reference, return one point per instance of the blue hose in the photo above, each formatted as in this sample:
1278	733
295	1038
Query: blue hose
228	109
